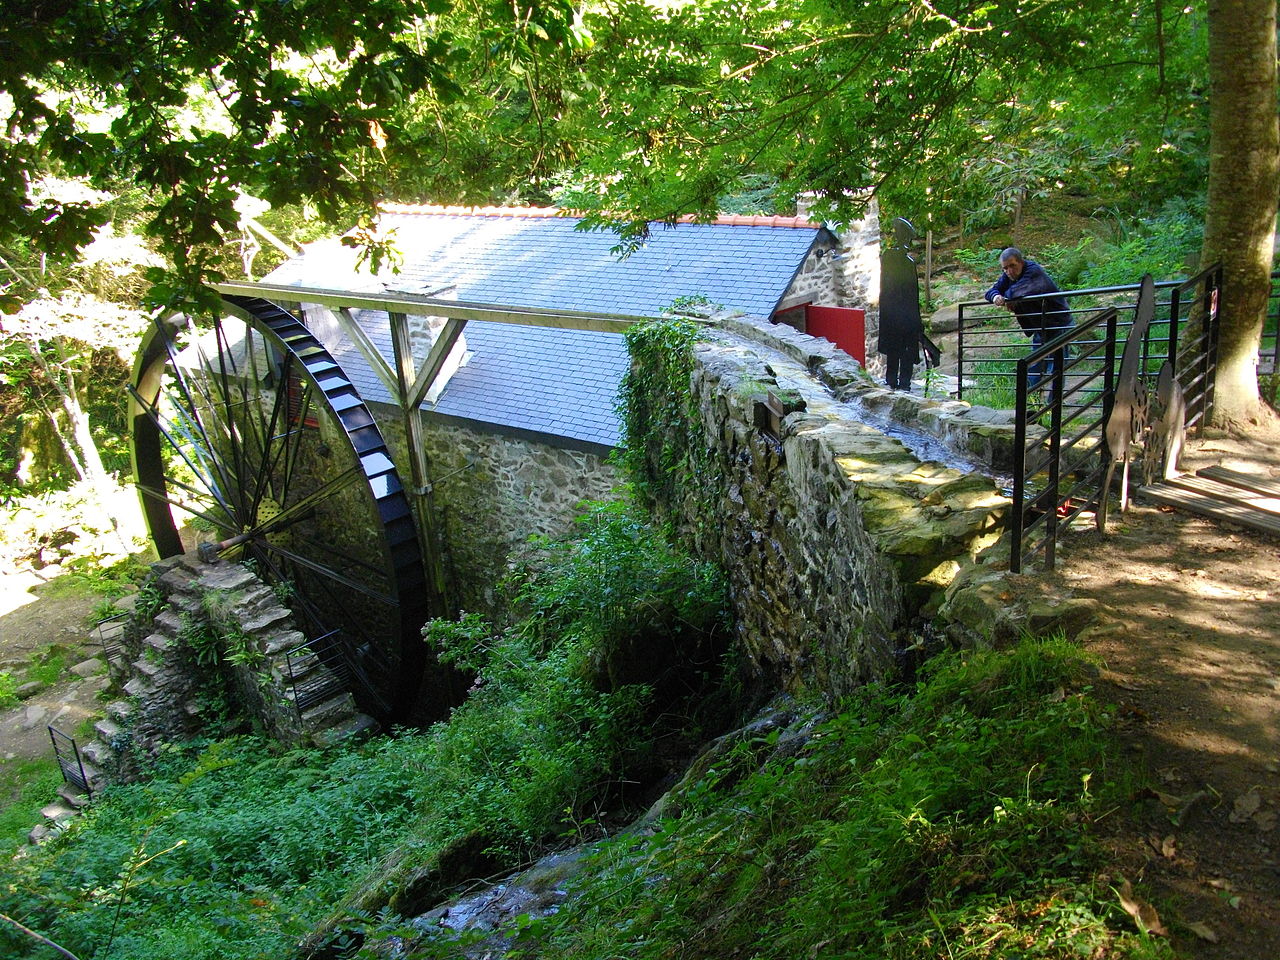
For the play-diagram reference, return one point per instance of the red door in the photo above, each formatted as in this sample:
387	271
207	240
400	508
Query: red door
843	326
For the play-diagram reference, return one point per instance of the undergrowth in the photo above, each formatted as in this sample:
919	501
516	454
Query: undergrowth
233	849
957	820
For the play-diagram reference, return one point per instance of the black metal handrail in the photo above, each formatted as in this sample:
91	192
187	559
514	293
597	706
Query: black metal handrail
978	340
321	669
67	753
109	632
1043	458
1060	447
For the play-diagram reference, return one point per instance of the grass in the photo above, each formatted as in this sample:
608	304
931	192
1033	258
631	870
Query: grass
26	785
233	849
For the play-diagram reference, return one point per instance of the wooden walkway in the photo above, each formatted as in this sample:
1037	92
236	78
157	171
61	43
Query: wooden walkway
1222	494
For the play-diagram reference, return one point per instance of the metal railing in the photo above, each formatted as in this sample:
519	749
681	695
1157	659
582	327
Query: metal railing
1063	394
70	762
1058	469
321	669
989	340
109	632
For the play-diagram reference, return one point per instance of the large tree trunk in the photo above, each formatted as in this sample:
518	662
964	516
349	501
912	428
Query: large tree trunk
1244	167
80	447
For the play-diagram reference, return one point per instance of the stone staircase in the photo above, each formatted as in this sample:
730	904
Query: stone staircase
164	684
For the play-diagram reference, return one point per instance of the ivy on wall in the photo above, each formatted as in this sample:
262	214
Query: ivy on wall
664	453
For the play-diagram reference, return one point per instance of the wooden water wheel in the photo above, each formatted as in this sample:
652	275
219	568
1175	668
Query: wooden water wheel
249	437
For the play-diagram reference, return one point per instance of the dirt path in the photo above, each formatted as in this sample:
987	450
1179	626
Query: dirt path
1189	633
37	617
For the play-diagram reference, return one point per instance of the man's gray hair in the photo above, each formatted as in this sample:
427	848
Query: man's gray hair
1012	253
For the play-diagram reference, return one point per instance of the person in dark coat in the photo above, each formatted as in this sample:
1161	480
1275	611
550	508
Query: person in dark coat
1023	288
901	329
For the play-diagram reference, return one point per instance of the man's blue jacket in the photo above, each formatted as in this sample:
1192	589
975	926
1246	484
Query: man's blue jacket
1028	306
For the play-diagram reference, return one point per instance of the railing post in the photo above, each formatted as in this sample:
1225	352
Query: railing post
1213	309
1019	466
960	352
1108	400
1175	311
1055	452
76	776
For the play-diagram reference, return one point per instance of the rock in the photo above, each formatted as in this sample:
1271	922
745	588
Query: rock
1071	616
945	319
29	689
88	668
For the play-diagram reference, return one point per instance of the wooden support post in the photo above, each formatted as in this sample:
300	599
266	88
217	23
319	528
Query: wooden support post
419	468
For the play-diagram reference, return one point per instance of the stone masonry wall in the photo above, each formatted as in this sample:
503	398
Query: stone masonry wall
835	537
493	492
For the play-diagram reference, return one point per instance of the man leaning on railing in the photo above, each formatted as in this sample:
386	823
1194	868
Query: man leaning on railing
1022	289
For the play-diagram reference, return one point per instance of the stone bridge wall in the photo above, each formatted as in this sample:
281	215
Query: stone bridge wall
836	538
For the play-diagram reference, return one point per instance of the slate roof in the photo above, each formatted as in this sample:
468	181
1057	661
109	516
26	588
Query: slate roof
542	383
553	384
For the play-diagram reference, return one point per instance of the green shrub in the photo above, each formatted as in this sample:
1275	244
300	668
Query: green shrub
233	850
958	820
1163	246
8	690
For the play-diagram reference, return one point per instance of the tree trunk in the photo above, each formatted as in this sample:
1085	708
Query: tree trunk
1244	167
80	447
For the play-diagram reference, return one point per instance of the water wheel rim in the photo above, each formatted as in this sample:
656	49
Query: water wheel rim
388	569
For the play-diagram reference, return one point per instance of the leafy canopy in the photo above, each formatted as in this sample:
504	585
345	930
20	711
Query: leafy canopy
649	111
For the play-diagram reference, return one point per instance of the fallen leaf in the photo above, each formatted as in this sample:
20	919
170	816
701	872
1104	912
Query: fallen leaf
1246	806
1221	883
1169	847
1168	799
1187	804
1203	931
1144	915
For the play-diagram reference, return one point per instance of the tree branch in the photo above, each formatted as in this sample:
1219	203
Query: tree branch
42	939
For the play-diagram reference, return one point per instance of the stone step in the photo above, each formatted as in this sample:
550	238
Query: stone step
99	754
108	730
358	726
40	833
333	711
120	710
73	797
168	621
108	632
98	780
284	640
158	641
301	664
58	812
146	668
